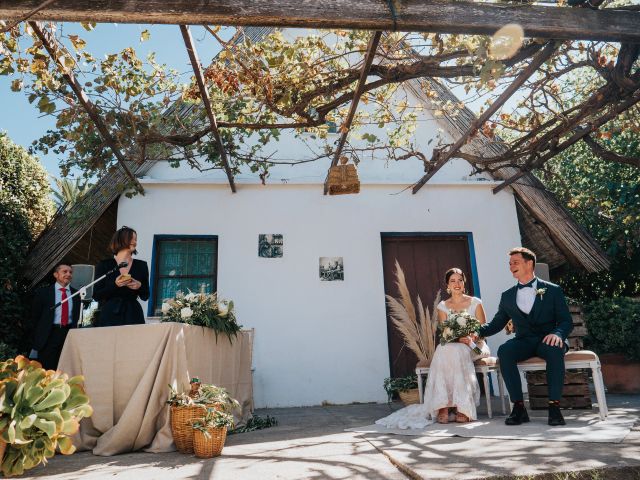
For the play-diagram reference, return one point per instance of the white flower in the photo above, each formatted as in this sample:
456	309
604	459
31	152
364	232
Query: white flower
190	297
447	332
461	321
541	292
186	312
223	309
165	307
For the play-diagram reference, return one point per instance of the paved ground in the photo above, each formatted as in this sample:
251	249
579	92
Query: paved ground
310	443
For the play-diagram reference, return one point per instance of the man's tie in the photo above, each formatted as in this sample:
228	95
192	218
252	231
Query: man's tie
526	285
64	318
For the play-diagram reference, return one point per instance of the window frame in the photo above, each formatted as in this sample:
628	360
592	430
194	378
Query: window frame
155	264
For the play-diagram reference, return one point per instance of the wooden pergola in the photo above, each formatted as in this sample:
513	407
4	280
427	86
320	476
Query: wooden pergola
443	16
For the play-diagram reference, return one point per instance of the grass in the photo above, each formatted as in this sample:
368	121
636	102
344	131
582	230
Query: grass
618	473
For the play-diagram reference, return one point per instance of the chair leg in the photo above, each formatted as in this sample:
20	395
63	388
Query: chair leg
501	390
487	393
601	398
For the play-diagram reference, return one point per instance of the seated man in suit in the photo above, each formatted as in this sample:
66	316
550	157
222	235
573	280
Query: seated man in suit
49	326
542	322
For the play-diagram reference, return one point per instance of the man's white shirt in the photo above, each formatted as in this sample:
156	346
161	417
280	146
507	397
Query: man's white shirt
525	297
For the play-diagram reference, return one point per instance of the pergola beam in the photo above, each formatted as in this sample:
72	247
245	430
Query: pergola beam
204	94
50	44
444	16
346	126
442	157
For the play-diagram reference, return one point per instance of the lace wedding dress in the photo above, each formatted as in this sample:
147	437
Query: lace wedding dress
451	382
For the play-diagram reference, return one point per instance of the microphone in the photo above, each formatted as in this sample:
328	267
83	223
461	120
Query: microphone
123	264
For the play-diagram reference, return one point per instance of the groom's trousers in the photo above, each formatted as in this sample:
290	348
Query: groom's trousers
518	349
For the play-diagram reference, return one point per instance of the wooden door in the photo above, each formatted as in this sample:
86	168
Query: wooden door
424	260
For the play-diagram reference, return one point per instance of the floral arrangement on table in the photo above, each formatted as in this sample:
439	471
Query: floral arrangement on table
39	411
203	309
417	328
458	325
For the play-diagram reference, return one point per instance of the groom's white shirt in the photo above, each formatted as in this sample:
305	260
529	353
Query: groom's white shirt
525	297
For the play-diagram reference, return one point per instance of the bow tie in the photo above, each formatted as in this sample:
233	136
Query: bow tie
527	285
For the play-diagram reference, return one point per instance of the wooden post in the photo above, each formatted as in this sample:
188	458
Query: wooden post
204	94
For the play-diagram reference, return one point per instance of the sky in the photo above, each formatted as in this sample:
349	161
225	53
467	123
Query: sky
24	123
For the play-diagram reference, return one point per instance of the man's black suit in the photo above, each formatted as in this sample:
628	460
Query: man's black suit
549	314
47	338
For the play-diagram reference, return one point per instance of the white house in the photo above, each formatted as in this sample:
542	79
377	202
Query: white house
330	341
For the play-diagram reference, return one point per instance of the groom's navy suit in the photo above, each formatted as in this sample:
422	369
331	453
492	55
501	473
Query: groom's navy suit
549	314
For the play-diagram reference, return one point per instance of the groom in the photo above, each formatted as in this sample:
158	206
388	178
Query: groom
542	322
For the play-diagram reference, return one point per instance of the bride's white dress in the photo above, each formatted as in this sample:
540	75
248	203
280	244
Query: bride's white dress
451	382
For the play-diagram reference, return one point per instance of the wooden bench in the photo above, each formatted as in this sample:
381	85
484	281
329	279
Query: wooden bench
574	359
483	366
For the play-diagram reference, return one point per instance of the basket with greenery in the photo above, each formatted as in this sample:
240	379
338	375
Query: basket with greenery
210	433
203	309
39	411
399	385
613	325
186	407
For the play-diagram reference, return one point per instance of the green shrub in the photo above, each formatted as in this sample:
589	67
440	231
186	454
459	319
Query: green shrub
614	326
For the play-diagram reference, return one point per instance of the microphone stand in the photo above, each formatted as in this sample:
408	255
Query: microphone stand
82	291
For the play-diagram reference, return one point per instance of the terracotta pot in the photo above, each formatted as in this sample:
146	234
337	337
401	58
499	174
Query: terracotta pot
620	375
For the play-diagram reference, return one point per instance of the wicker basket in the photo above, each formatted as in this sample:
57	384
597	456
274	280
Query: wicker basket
208	446
181	418
409	397
343	179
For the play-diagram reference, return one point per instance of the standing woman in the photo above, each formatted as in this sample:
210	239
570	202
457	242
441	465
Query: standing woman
118	293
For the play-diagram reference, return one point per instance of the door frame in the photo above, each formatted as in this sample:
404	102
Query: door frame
472	250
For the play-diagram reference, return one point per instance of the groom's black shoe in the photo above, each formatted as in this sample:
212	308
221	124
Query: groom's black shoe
518	415
555	416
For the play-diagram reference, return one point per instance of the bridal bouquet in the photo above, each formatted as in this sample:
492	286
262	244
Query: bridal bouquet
203	309
457	325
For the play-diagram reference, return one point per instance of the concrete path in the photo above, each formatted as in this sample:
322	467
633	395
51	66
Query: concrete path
310	443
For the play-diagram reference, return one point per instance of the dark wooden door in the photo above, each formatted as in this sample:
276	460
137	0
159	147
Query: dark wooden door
424	260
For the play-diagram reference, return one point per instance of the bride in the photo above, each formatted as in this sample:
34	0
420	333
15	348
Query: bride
452	383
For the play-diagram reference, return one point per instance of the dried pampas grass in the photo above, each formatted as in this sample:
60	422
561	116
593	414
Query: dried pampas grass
417	329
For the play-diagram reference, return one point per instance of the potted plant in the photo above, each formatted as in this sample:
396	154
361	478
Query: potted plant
204	309
188	406
39	411
405	387
613	325
210	433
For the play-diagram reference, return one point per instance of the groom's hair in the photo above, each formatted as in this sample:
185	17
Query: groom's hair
525	252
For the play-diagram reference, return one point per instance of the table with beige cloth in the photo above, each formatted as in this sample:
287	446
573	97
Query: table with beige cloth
128	371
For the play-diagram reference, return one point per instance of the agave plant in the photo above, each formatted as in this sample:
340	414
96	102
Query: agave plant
39	411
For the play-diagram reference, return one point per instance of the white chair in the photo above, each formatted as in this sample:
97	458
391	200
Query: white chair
576	359
484	366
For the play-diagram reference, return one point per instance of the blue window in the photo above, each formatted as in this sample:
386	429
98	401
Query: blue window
182	264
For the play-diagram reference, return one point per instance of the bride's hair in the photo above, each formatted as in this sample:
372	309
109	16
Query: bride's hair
451	271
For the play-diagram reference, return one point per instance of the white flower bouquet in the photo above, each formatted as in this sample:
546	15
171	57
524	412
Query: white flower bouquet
458	325
203	309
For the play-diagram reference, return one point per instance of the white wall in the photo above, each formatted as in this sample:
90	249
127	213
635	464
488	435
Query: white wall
321	341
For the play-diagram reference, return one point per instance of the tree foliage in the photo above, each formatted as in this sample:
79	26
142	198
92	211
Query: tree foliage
25	208
605	199
258	88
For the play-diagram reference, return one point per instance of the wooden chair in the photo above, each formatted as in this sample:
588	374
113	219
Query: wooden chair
484	366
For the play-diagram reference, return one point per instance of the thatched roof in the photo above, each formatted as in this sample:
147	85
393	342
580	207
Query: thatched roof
546	226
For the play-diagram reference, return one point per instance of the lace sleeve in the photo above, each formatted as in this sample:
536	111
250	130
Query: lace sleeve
442	307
